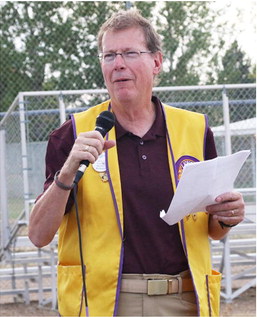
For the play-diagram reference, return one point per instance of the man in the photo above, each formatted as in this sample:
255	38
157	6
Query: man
135	264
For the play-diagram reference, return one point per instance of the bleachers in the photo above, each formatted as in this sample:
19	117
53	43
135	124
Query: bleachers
33	271
235	257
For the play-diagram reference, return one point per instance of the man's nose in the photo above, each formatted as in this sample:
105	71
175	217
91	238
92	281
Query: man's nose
119	62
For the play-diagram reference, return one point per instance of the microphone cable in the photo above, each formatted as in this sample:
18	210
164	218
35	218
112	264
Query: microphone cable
83	272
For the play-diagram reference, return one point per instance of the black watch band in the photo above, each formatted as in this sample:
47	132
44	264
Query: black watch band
224	225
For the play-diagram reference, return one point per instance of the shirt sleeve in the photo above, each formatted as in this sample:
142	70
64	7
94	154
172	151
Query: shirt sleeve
59	146
210	148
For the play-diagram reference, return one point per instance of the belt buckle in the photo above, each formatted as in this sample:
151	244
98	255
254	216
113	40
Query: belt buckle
157	287
175	285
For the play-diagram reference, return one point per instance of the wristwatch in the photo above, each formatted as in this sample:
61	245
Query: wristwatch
222	224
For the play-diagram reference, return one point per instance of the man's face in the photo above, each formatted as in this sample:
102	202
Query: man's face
129	79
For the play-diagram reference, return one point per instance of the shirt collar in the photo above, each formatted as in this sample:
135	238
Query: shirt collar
157	129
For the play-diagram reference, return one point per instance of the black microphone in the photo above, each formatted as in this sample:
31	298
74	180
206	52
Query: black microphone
104	122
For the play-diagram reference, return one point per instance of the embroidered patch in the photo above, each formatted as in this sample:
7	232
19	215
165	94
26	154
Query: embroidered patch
182	162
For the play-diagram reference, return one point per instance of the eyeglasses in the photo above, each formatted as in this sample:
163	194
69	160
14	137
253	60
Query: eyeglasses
127	56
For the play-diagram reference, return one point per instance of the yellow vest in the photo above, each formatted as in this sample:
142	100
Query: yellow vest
101	215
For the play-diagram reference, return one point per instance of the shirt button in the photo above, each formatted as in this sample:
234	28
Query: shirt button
141	142
144	157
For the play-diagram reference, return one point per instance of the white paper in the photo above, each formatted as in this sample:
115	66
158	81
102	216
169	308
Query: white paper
201	183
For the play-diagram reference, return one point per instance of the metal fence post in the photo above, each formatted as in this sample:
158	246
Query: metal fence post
226	122
5	230
227	270
253	165
62	109
40	281
226	251
53	275
24	154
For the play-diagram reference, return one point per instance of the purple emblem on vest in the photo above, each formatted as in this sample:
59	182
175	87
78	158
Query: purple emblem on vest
186	159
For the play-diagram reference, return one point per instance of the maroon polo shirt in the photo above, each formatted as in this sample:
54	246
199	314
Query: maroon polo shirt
150	244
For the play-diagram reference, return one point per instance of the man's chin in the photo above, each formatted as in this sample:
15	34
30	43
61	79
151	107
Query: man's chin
123	95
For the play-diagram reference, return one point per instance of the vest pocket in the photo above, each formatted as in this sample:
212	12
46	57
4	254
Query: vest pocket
69	290
213	283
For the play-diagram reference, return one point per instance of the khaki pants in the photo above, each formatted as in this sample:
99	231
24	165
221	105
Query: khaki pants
140	304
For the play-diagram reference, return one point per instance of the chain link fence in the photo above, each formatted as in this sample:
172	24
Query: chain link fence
51	45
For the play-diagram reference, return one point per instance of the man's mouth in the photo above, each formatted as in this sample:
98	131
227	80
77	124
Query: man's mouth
121	80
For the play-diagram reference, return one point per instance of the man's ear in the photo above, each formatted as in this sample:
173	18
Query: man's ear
157	62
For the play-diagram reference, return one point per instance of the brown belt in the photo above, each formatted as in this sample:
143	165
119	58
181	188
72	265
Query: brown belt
163	286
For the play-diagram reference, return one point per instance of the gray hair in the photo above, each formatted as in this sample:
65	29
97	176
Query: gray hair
122	20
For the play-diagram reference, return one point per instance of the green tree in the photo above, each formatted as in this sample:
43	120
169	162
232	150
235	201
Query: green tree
12	78
236	68
50	45
185	27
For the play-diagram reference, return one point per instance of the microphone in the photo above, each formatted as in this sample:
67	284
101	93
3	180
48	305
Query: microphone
104	122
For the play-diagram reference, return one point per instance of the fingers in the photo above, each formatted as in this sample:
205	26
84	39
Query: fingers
229	217
109	144
87	146
230	196
95	148
228	209
90	144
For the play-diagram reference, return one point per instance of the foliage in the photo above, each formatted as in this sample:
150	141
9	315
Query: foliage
54	46
51	45
186	30
235	67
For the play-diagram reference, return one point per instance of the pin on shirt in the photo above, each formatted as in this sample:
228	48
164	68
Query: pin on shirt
100	167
